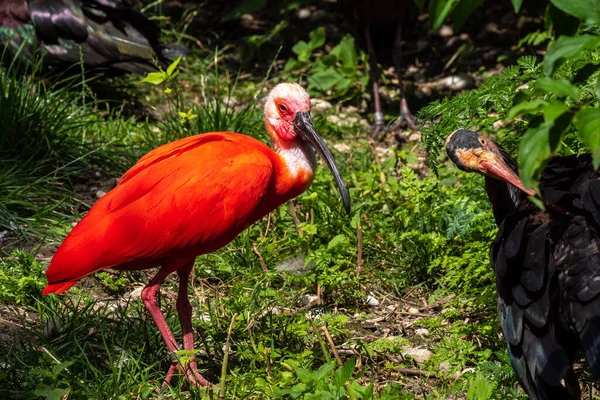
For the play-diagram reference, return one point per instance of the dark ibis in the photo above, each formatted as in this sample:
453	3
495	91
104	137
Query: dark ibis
386	18
103	34
546	262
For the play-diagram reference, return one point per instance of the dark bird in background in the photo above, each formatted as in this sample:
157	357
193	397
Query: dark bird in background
378	25
547	263
103	34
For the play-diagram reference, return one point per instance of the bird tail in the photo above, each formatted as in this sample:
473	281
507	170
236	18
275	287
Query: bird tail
57	288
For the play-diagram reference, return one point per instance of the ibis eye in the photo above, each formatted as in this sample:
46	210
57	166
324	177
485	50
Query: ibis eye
482	141
283	108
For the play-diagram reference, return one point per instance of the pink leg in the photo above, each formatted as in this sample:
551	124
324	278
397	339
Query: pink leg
378	123
149	297
184	309
405	114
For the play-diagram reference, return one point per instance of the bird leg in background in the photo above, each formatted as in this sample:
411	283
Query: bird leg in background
378	123
184	309
405	114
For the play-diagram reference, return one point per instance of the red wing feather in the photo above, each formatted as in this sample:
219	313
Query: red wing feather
185	198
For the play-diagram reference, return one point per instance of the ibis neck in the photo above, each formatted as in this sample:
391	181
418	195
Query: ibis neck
297	164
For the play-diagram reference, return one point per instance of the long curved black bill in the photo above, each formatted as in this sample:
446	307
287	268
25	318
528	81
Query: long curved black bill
304	127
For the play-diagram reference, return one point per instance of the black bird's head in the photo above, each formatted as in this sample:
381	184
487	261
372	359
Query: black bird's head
472	152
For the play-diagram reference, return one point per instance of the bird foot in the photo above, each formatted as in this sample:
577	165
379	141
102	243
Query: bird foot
407	119
190	371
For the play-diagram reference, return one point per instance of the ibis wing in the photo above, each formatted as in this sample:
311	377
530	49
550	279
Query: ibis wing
101	33
524	264
183	199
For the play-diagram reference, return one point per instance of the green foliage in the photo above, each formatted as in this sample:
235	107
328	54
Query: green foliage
326	383
21	279
340	73
555	109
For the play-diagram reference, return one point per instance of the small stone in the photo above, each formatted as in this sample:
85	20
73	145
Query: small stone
421	332
372	301
320	105
303	13
419	354
134	294
498	124
342	147
308	300
456	82
100	194
98	174
446	31
413	311
294	264
444	367
414	137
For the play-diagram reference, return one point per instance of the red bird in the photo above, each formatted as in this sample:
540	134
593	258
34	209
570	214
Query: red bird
192	197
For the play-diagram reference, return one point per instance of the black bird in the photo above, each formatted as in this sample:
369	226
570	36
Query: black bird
104	34
547	263
375	23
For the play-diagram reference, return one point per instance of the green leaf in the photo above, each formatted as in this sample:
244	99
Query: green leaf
343	374
439	11
324	80
57	369
336	241
527	107
587	122
567	47
155	78
300	47
517	5
481	389
559	87
533	151
463	11
173	65
586	10
553	110
346	52
317	38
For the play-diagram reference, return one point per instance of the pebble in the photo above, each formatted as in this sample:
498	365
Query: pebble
100	194
413	311
303	13
320	105
415	137
308	300
446	31
444	367
421	332
372	301
419	354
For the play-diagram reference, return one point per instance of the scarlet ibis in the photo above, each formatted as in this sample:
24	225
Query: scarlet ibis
547	263
370	14
192	197
104	34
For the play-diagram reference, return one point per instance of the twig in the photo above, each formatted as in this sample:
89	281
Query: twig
268	357
225	359
319	338
260	259
295	217
332	346
338	360
359	257
416	372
